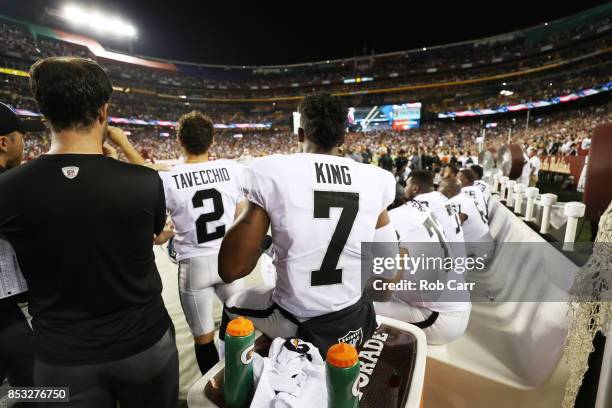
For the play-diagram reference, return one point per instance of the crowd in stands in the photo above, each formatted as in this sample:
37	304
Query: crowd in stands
455	62
172	94
446	141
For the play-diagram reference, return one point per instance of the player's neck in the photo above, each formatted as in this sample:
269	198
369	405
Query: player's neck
426	191
196	158
75	142
316	149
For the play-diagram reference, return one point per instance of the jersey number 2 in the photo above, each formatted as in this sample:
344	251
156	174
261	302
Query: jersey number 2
203	220
323	202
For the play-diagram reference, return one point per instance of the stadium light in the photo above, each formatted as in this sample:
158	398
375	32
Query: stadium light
98	21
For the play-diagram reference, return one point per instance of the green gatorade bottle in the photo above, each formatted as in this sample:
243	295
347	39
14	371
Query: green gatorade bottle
238	380
342	376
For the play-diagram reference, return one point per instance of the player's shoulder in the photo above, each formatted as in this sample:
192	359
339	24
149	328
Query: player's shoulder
14	176
376	173
412	207
230	164
270	163
137	171
408	214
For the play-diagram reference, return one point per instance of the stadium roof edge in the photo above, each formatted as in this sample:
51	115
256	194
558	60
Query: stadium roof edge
601	9
597	11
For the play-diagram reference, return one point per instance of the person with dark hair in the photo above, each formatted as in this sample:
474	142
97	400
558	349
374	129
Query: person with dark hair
189	186
478	171
16	351
401	161
450	171
83	232
384	159
480	183
467	177
443	316
420	187
321	208
478	239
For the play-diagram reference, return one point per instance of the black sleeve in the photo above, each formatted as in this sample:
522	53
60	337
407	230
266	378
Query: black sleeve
8	215
160	209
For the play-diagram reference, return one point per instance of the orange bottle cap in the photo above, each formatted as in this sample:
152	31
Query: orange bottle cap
342	355
240	327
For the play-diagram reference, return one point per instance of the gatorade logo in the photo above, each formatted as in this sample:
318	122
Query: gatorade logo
247	355
355	388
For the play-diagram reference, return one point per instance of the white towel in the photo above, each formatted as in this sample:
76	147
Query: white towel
293	375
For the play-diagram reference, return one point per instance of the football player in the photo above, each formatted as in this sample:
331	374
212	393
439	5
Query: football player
202	197
442	314
467	178
321	207
420	187
478	240
480	183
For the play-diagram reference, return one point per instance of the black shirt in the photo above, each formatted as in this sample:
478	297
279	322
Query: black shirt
400	163
386	162
82	227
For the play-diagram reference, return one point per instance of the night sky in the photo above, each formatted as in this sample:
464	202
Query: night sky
257	32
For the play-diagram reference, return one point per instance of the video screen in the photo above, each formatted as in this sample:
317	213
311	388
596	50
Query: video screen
397	117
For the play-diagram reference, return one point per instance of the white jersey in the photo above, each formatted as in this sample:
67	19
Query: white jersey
475	227
484	188
414	223
321	209
422	235
448	218
201	199
481	202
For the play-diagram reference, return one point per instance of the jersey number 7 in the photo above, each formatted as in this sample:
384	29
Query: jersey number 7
323	202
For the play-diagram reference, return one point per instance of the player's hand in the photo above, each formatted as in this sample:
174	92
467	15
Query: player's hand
163	237
117	136
110	151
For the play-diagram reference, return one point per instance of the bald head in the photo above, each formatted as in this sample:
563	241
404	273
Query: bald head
450	187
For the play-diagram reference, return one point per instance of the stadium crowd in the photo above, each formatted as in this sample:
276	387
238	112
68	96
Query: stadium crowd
452	63
557	133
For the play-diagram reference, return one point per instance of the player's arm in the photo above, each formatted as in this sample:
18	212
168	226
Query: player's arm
118	137
242	245
463	217
240	208
165	234
385	232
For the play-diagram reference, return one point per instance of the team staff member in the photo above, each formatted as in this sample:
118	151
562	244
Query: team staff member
82	231
16	354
